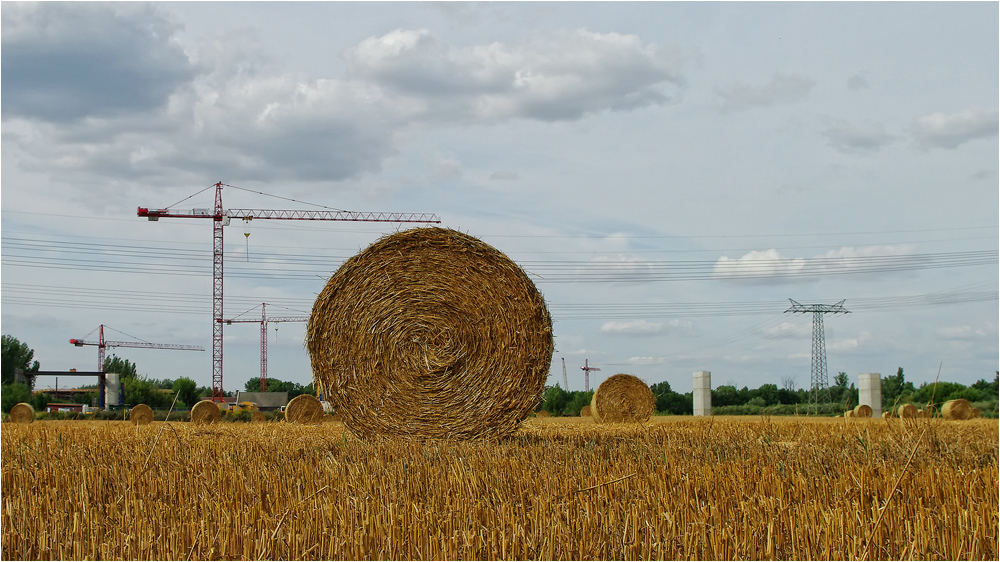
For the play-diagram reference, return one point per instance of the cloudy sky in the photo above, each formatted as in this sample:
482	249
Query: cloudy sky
669	174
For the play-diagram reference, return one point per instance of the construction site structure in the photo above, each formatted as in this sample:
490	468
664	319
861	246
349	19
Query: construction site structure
586	374
264	320
221	217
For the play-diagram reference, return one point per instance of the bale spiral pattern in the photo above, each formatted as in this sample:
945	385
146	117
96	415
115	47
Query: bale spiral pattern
431	333
22	413
141	414
907	411
622	398
959	409
258	417
585	411
304	409
863	411
205	411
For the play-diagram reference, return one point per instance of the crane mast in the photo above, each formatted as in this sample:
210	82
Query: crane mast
263	336
221	218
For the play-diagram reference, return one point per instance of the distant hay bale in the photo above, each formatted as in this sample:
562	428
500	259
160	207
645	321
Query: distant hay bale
205	412
921	413
849	414
977	413
959	409
863	411
585	411
258	417
304	409
886	414
22	413
622	398
541	414
140	415
431	333
906	411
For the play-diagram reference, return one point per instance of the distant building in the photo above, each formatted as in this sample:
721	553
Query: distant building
265	401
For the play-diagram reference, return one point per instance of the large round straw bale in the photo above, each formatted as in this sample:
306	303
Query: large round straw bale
305	409
585	411
22	413
959	409
431	333
622	398
862	411
258	417
206	411
140	415
906	411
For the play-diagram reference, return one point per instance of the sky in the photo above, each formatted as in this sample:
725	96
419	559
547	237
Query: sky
668	174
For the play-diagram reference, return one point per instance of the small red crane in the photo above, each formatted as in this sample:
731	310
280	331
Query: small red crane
586	374
221	218
263	336
102	344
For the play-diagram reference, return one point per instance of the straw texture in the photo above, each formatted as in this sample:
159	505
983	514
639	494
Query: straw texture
959	409
304	409
258	417
22	413
622	398
431	333
205	412
863	411
141	414
585	411
906	411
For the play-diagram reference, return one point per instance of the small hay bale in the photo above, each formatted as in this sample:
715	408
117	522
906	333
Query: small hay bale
22	413
205	412
585	411
258	417
304	409
959	409
906	411
541	414
431	333
977	413
849	414
622	398
862	411
921	413
886	414
140	415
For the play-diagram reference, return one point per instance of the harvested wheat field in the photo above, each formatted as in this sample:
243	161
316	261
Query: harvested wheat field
558	488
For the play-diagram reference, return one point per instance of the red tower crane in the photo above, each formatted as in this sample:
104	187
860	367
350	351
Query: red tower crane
263	336
102	344
221	218
586	374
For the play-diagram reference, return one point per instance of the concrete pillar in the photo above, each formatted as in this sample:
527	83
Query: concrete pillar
702	393
112	389
870	392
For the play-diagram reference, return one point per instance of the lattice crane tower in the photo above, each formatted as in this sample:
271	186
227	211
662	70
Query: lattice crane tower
818	376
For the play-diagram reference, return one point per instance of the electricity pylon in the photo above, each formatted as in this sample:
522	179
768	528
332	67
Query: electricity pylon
818	377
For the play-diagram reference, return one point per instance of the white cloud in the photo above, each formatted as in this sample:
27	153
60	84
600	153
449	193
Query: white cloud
945	130
791	330
646	360
855	139
782	89
847	344
632	327
771	265
553	76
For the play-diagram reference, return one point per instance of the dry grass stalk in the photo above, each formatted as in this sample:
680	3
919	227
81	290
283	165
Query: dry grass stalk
304	409
141	415
622	398
205	412
431	333
23	413
959	409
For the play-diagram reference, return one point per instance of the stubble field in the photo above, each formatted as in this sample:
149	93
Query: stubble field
674	488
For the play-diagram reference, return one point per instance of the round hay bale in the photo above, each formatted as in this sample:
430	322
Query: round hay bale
977	413
921	413
886	414
849	414
304	409
541	414
258	417
431	333
862	411
585	411
22	413
622	398
959	409
140	415
906	411
205	412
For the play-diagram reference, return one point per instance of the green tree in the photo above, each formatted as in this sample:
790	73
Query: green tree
17	355
554	400
276	385
896	387
187	391
139	390
123	367
13	394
